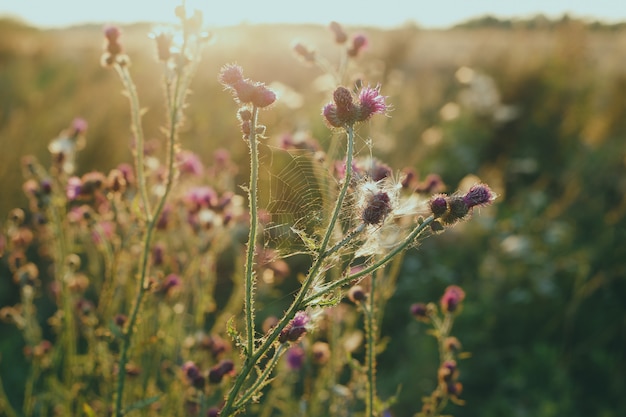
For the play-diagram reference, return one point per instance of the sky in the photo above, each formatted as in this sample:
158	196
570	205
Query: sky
384	13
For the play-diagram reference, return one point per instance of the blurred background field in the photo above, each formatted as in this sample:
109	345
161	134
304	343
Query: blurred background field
535	108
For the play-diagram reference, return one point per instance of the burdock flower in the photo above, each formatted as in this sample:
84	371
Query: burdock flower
345	112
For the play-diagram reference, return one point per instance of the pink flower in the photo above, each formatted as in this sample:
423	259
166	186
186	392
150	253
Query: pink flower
452	297
345	112
230	75
371	103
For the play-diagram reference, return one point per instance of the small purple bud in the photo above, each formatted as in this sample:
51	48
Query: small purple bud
438	205
420	312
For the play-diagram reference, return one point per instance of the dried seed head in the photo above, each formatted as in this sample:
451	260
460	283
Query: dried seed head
377	208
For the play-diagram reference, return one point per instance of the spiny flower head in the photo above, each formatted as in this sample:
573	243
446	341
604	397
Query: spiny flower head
451	209
244	90
479	195
295	329
343	111
371	103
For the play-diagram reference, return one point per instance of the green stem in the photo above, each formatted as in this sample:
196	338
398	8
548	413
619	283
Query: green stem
135	111
373	267
152	220
5	404
296	305
370	328
252	237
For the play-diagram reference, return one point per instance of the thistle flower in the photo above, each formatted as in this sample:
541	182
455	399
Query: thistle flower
371	103
112	47
305	53
295	329
359	42
479	195
420	311
246	91
217	373
377	208
345	112
452	298
230	75
340	34
295	358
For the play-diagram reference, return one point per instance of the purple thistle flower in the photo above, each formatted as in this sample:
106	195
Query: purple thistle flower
452	297
78	127
438	205
112	33
301	319
189	163
295	328
73	188
478	195
359	42
371	103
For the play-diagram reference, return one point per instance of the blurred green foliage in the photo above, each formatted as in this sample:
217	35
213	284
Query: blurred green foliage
544	270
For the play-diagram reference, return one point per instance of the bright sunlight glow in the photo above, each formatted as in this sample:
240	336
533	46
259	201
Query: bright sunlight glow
386	13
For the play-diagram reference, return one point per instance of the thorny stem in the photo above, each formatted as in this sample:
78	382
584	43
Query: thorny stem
260	382
252	237
229	406
373	267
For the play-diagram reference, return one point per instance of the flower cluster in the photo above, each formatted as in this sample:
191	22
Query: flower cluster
344	111
450	209
245	90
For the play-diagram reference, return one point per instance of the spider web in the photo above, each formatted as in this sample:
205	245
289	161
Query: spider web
300	191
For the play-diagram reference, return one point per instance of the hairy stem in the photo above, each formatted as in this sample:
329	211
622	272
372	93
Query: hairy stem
297	304
370	359
252	236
